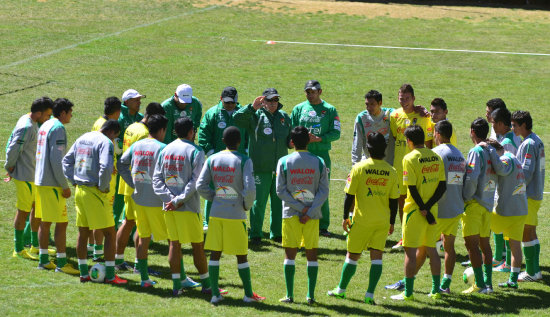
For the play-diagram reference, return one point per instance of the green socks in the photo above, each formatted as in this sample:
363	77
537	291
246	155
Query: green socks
290	269
312	270
499	246
119	259
374	275
478	273
143	269
34	239
446	282
244	273
176	281
205	280
514	274
348	270
98	250
18	240
61	259
44	257
83	267
214	271
436	279
537	256
488	274
409	286
109	270
529	252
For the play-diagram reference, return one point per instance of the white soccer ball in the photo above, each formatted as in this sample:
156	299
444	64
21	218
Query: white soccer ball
468	276
97	273
439	248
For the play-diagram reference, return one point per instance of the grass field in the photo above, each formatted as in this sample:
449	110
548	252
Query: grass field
87	51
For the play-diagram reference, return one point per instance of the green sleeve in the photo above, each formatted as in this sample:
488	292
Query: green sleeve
206	133
333	132
295	117
245	118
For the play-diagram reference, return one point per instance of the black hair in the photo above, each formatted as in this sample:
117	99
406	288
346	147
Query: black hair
496	103
415	134
154	108
444	128
521	117
374	94
182	126
232	137
111	105
300	137
156	122
480	127
502	115
407	88
60	105
439	102
110	125
42	104
376	145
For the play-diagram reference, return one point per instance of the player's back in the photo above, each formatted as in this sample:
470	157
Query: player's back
144	155
451	203
21	149
51	138
511	189
532	157
87	164
480	181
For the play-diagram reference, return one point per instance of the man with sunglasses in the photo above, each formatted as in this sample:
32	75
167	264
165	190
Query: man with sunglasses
268	128
214	122
323	123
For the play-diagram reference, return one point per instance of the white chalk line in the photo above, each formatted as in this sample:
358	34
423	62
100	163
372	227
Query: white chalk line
407	48
105	36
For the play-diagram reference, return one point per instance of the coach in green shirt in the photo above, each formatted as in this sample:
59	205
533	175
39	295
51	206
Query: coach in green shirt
323	123
181	104
268	129
215	120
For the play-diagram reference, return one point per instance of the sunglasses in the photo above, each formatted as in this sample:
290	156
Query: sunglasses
272	100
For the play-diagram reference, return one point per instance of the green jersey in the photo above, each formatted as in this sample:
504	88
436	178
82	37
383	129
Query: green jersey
269	135
125	120
321	120
215	120
173	112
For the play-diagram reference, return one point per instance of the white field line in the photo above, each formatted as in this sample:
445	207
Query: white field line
105	36
407	48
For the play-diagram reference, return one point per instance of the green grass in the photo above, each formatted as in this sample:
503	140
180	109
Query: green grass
212	49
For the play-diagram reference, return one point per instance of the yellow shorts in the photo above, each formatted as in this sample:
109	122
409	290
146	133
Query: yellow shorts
533	207
150	221
227	235
183	226
26	193
476	220
93	210
511	226
51	203
449	226
297	234
129	207
417	232
364	237
112	190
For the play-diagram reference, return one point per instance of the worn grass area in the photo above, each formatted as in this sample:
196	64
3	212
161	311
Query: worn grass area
155	45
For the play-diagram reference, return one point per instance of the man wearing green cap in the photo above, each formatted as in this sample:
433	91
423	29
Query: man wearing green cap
268	129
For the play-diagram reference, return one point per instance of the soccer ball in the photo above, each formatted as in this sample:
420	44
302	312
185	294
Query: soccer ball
468	276
97	273
439	248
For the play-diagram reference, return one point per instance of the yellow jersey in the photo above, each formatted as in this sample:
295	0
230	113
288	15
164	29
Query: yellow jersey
135	132
373	182
431	130
424	169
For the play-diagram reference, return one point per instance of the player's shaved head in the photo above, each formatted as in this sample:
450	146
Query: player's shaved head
376	145
445	129
300	137
232	137
111	105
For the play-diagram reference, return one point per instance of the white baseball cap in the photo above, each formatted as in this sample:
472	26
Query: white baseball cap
184	93
131	93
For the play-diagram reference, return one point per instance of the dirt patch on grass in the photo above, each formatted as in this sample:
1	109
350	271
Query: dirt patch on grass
372	10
